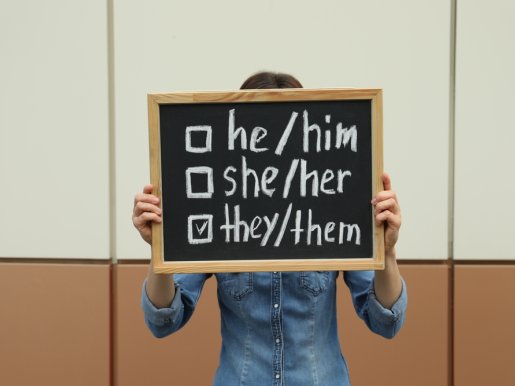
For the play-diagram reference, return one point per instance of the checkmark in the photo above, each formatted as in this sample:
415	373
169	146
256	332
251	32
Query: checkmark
201	229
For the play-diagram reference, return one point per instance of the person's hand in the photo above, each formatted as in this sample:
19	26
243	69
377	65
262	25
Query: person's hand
145	212
388	212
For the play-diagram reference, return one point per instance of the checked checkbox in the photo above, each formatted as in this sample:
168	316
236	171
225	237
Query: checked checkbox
200	228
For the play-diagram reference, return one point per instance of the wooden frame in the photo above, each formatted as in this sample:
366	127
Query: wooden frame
282	95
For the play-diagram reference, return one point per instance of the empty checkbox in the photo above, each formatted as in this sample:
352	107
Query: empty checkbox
198	139
199	182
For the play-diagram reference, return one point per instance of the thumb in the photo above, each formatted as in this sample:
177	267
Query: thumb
387	183
148	189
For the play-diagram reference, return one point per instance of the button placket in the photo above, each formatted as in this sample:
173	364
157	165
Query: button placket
276	318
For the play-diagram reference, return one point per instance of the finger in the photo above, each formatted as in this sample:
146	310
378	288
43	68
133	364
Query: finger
389	204
145	197
143	219
148	189
384	195
387	182
392	219
142	207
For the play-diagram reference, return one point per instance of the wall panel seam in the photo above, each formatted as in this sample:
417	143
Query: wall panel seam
112	188
451	197
112	133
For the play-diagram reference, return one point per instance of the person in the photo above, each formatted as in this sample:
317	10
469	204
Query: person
279	328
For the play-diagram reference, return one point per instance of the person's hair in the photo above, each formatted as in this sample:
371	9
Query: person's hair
268	79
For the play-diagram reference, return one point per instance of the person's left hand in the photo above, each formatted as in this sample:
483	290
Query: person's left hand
388	212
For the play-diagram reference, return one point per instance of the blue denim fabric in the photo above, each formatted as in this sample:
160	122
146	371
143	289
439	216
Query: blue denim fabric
278	328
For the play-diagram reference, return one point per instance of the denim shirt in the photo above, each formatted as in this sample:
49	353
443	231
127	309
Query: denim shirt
278	328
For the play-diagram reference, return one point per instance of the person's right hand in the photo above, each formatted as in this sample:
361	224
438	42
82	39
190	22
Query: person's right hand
146	211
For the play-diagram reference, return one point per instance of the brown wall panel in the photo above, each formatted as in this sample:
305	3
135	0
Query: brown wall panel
55	330
187	358
54	323
419	354
484	335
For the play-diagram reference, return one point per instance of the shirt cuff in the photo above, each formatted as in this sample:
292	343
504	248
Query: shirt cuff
384	315
162	316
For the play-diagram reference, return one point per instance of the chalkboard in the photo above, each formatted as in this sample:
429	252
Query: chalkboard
266	180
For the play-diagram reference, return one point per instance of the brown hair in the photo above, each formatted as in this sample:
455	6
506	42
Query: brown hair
267	79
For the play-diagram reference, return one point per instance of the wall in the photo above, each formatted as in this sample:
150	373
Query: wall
483	219
54	160
74	151
330	46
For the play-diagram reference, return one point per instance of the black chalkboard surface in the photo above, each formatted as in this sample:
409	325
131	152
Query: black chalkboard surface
266	180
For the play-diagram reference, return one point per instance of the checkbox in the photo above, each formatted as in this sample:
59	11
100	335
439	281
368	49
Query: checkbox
201	143
200	228
199	182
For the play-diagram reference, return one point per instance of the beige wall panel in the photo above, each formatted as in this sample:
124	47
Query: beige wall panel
485	130
54	324
54	200
419	354
188	357
401	46
484	336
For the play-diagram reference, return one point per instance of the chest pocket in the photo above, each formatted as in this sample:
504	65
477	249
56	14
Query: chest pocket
238	285
315	282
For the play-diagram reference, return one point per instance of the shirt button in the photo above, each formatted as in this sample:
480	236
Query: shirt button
276	305
278	341
277	376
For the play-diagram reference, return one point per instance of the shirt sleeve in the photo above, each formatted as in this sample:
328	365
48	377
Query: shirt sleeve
383	321
165	321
